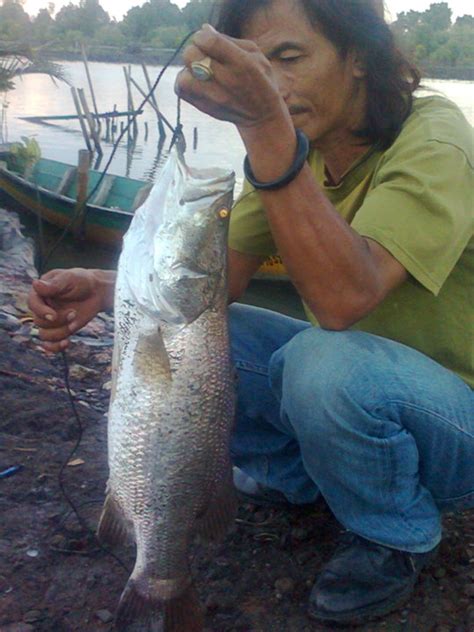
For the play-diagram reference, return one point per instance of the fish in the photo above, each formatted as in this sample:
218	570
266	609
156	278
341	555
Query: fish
172	404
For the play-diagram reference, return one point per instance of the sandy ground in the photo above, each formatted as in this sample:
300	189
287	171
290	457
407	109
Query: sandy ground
55	578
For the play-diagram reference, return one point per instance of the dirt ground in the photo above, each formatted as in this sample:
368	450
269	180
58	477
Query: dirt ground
54	577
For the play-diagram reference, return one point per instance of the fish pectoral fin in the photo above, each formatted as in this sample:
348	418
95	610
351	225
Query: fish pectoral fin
218	517
112	527
144	599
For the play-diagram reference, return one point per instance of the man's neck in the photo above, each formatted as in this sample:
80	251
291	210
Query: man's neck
339	156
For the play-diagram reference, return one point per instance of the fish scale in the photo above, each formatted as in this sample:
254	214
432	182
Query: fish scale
172	401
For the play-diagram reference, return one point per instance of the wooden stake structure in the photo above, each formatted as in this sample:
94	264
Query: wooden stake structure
91	88
161	118
134	131
90	121
82	185
81	118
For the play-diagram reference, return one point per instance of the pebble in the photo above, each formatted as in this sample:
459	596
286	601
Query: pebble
469	590
104	615
18	627
32	552
284	585
440	573
299	534
33	615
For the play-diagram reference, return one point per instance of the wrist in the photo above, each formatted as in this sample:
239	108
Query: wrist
104	281
270	148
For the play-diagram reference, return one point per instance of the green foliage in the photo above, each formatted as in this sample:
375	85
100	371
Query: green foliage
197	12
430	38
23	155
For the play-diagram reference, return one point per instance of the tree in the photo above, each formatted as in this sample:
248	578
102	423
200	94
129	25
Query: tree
197	12
14	22
140	22
43	27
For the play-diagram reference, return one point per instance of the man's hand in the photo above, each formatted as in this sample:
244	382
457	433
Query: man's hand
243	89
63	301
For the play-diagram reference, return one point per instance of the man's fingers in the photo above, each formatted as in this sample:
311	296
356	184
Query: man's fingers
55	335
55	347
47	288
40	308
221	47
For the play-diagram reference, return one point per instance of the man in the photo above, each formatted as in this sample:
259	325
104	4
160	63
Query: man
373	409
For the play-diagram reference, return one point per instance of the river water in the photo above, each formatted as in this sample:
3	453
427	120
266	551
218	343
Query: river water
218	142
218	145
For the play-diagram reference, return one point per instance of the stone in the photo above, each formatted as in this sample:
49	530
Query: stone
104	615
79	372
284	585
32	615
469	590
440	572
17	627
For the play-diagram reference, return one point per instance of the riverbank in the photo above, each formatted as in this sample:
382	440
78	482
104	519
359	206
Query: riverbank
160	56
53	576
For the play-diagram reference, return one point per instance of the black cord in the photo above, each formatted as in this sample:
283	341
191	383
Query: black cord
42	263
178	130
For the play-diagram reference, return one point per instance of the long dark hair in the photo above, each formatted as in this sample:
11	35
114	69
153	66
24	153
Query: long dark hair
352	25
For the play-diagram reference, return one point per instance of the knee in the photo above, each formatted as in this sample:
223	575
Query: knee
319	370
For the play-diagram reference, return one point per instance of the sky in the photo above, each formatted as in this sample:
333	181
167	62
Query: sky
117	8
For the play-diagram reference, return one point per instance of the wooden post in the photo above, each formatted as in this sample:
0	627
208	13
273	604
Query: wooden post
89	80
81	118
83	166
161	118
161	127
90	122
131	108
195	138
146	130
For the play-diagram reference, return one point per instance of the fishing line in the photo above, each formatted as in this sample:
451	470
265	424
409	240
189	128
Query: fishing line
42	264
177	131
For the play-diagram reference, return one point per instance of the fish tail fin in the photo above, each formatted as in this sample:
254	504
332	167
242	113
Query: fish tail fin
142	603
184	614
112	528
220	514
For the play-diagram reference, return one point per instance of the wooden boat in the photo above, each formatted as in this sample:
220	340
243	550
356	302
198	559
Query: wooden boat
49	189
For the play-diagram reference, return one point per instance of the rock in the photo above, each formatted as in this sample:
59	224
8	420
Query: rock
18	627
79	372
32	615
299	534
104	615
284	585
9	322
469	590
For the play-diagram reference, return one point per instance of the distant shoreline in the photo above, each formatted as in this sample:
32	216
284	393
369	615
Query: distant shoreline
161	56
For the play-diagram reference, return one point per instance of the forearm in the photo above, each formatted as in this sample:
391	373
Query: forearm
333	268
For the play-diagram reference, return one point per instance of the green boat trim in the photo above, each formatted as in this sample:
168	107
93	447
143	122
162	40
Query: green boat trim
49	189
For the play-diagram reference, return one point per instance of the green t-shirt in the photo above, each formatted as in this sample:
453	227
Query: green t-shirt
417	200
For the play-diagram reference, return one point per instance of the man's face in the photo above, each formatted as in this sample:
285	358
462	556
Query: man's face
325	94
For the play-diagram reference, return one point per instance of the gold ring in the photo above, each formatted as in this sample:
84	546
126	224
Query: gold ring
201	70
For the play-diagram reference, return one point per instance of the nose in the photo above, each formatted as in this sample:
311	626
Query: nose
284	83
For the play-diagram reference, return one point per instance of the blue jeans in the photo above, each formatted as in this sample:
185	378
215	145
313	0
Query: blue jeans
384	433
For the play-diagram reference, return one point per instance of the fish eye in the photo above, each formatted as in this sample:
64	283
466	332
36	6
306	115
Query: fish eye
223	213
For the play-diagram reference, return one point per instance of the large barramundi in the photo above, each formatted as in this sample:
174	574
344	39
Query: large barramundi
172	402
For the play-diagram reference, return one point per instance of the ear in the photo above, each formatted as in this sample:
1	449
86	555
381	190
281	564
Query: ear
359	69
